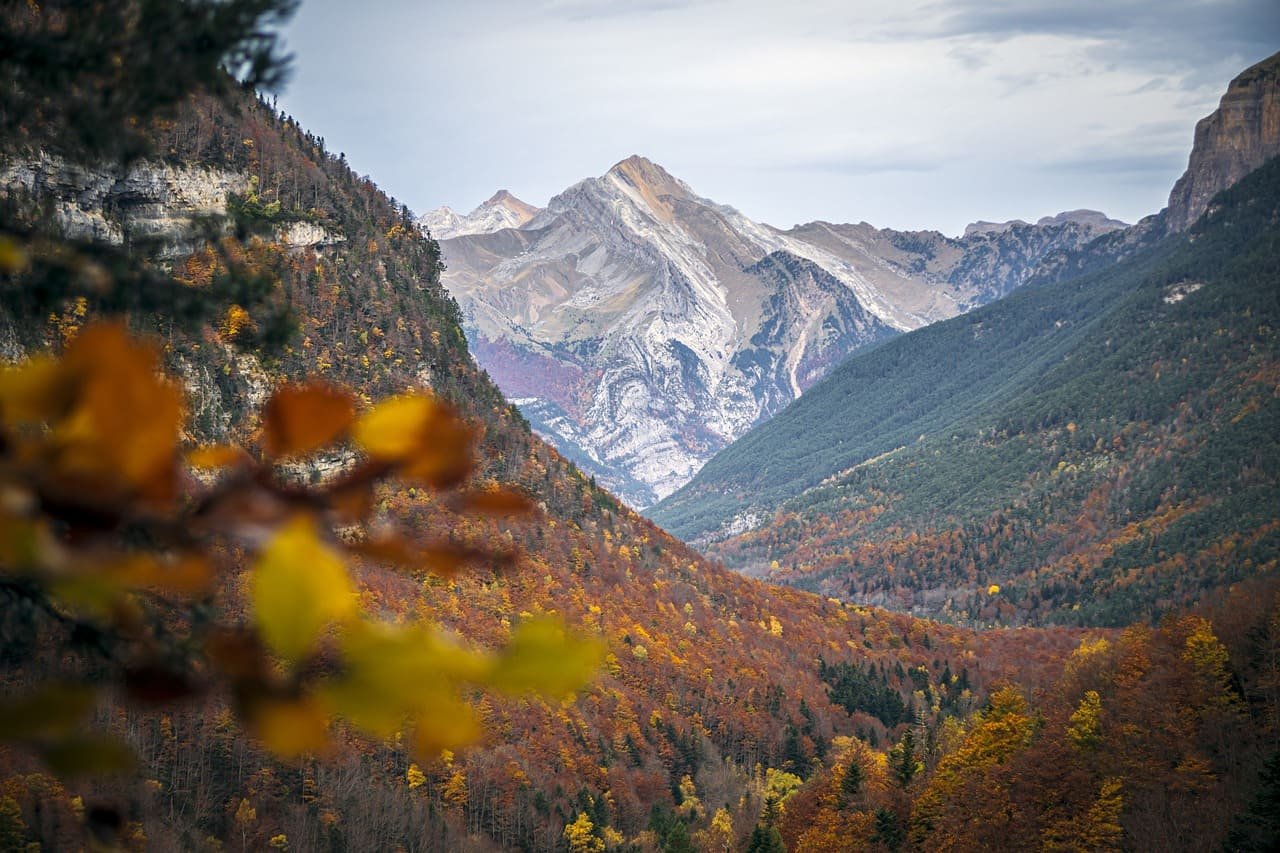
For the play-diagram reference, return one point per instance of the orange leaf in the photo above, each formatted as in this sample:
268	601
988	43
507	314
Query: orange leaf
292	728
120	437
216	456
301	418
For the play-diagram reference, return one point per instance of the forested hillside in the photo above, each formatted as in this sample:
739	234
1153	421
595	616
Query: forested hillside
711	690
154	703
1102	449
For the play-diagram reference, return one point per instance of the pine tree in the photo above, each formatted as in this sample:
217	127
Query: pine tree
889	830
1258	829
766	839
851	781
902	759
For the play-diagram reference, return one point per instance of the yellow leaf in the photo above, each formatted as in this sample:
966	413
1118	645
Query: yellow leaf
13	257
542	657
392	430
25	544
393	672
292	728
35	391
447	724
300	585
425	439
301	418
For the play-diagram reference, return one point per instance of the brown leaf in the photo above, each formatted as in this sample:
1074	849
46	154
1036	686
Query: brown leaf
239	654
189	574
494	502
352	501
445	559
299	419
53	708
89	755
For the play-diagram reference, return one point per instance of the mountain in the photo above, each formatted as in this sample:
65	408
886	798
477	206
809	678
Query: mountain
1092	218
708	675
641	327
1238	137
1093	449
501	210
726	712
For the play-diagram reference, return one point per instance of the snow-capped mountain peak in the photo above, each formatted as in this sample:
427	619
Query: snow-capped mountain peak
644	327
499	211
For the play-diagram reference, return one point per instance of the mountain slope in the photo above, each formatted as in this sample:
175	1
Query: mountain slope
719	693
1065	443
642	327
708	674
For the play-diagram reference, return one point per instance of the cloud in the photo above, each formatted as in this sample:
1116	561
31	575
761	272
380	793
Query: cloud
1171	34
1139	165
591	10
917	113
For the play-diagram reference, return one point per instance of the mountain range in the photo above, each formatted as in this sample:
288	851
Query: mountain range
727	713
641	327
707	675
1100	447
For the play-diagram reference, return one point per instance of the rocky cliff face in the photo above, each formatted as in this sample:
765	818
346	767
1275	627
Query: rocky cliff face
154	203
642	327
146	202
1241	135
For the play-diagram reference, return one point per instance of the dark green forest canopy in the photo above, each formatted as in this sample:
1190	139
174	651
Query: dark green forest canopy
1153	377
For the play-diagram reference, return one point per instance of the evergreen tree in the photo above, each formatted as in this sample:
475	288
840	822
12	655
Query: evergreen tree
902	759
889	830
772	811
766	840
678	840
851	782
1258	829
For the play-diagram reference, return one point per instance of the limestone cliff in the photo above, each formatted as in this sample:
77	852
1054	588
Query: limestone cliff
1241	135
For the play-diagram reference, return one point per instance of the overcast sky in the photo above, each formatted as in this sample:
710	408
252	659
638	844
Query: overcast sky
906	114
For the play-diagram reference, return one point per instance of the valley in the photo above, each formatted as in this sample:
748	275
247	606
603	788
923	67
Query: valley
642	328
318	523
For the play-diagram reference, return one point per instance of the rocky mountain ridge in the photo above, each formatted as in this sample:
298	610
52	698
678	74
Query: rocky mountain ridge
1238	137
1096	218
642	327
501	210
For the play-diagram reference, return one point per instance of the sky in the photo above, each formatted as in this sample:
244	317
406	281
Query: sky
909	114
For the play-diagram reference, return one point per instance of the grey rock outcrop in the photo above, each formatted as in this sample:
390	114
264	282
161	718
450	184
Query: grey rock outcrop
147	202
1238	137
